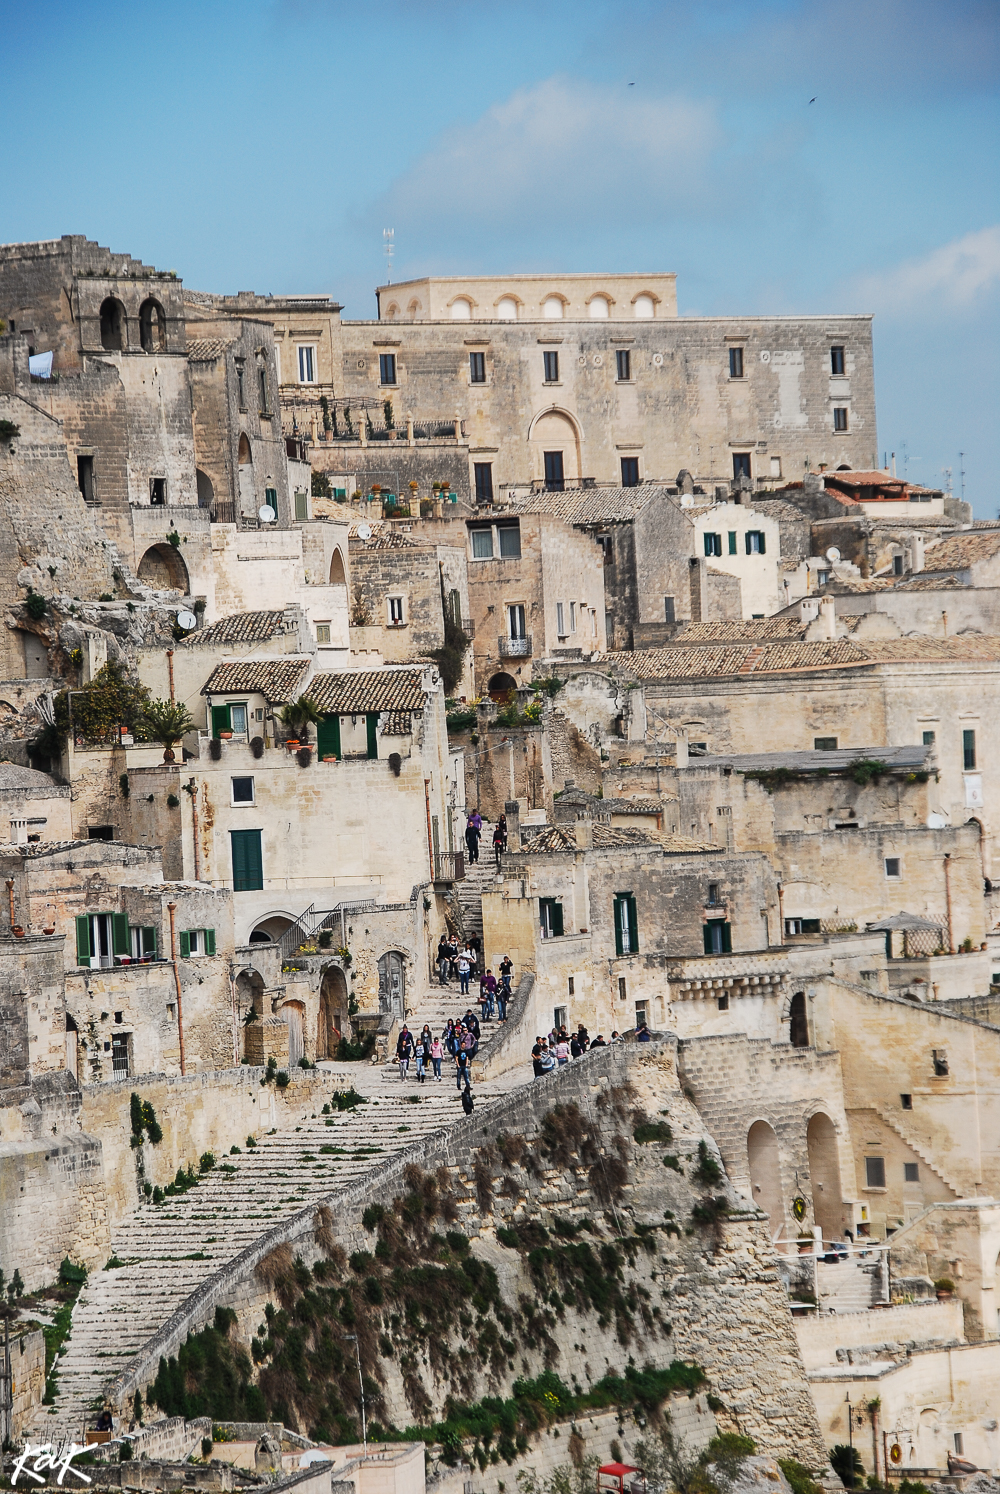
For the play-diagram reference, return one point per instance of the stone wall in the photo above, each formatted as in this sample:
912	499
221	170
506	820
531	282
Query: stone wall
718	1290
53	1203
27	1363
910	1324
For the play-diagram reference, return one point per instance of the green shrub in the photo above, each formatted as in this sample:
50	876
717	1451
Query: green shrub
648	1131
846	1463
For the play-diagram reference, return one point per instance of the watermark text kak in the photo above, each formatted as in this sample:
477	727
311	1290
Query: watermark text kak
45	1458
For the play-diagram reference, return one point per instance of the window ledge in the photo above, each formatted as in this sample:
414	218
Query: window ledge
874	1190
552	383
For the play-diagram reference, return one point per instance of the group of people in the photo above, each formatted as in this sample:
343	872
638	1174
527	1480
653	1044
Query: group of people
474	834
463	963
459	1042
560	1046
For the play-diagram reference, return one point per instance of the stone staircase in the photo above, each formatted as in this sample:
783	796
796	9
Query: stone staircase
479	878
852	1285
915	1146
169	1249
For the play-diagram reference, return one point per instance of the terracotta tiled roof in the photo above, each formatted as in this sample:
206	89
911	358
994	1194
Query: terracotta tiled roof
930	583
383	536
207	349
960	550
606	838
751	630
364	690
869	479
395	723
278	680
742	660
638	806
777	508
586	505
241	627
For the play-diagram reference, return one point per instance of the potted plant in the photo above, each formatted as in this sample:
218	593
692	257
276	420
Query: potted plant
296	717
945	1288
166	721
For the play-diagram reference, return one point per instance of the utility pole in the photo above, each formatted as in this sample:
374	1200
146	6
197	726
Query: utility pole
352	1338
961	471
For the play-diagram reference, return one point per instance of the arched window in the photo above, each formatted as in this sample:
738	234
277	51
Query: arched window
338	575
552	308
152	327
461	310
507	309
244	456
206	492
502	687
765	1172
798	1026
114	326
392	311
600	308
644	307
413	310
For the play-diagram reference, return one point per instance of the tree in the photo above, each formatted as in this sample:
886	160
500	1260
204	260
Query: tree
846	1463
112	700
166	721
298	715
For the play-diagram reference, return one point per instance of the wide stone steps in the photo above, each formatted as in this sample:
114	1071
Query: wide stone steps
169	1249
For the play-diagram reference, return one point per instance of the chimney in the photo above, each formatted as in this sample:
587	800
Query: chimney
19	832
807	609
813	483
828	617
512	809
584	834
917	553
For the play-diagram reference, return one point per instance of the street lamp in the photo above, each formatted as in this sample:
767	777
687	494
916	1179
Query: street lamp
352	1338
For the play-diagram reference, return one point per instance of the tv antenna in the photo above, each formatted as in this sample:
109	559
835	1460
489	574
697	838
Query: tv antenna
961	471
387	238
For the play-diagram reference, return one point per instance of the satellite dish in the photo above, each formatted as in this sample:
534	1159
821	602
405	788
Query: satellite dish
833	555
364	531
187	620
266	514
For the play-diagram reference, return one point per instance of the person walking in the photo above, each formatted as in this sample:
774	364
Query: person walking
562	1051
487	994
437	1054
404	1050
503	996
462	1070
463	972
423	1053
443	960
471	1022
473	831
506	969
499	844
449	1038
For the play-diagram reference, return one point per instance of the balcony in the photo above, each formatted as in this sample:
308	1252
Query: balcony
449	866
514	648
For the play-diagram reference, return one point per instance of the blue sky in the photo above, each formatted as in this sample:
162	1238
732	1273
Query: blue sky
266	145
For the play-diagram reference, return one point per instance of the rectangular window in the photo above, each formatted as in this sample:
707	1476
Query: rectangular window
723	1002
560	620
968	750
623	360
572	617
509	537
482	544
551	361
668	610
241	394
959	1444
559	1017
477	368
713	894
824	744
775	466
839	418
262	381
571	985
301	503
248	861
387	368
395	605
906	1101
732	541
939	1058
911	1172
143	943
195	943
836	361
85	477
874	1172
271	499
641	1014
100	832
717	935
238	716
626	927
242	790
550	917
307	365
622	989
755	542
897	565
892	867
322	633
157	491
484	481
630	472
554	479
119	1055
607	544
713	544
736	363
741	464
928	739
516	621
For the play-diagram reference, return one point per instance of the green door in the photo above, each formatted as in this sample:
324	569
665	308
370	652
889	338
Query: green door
371	720
248	862
222	719
328	737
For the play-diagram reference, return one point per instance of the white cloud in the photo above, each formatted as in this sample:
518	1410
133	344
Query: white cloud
952	277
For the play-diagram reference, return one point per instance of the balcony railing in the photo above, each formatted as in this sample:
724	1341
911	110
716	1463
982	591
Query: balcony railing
514	648
449	866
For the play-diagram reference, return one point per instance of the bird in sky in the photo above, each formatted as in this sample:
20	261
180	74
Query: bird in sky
812	101
631	85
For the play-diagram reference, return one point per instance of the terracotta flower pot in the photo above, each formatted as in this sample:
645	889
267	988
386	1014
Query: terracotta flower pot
17	931
49	930
292	743
168	755
225	735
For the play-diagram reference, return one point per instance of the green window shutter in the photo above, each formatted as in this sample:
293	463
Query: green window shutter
119	934
185	944
372	722
222	719
328	737
247	861
710	544
557	918
746	538
763	544
706	934
633	925
727	938
83	939
147	938
210	941
732	541
301	504
618	925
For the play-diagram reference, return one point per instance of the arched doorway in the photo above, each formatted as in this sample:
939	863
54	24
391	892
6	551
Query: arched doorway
250	992
162	567
114	326
798	1024
206	492
245	482
332	1022
293	1012
765	1172
392	984
502	686
824	1174
72	1046
269	930
152	327
338	575
554	434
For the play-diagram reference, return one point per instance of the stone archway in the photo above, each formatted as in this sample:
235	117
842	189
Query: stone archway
555	431
502	686
162	567
765	1173
270	929
824	1174
333	1020
338	575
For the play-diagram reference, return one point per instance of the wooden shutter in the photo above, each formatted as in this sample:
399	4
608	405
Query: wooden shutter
119	934
328	737
633	924
210	941
83	939
727	938
222	719
371	720
247	861
557	917
147	941
618	925
706	934
763	544
732	541
184	940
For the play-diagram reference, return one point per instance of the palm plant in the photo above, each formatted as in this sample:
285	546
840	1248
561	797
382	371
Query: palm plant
298	715
166	721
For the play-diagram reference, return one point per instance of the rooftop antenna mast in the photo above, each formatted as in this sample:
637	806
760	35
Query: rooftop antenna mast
387	237
961	471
